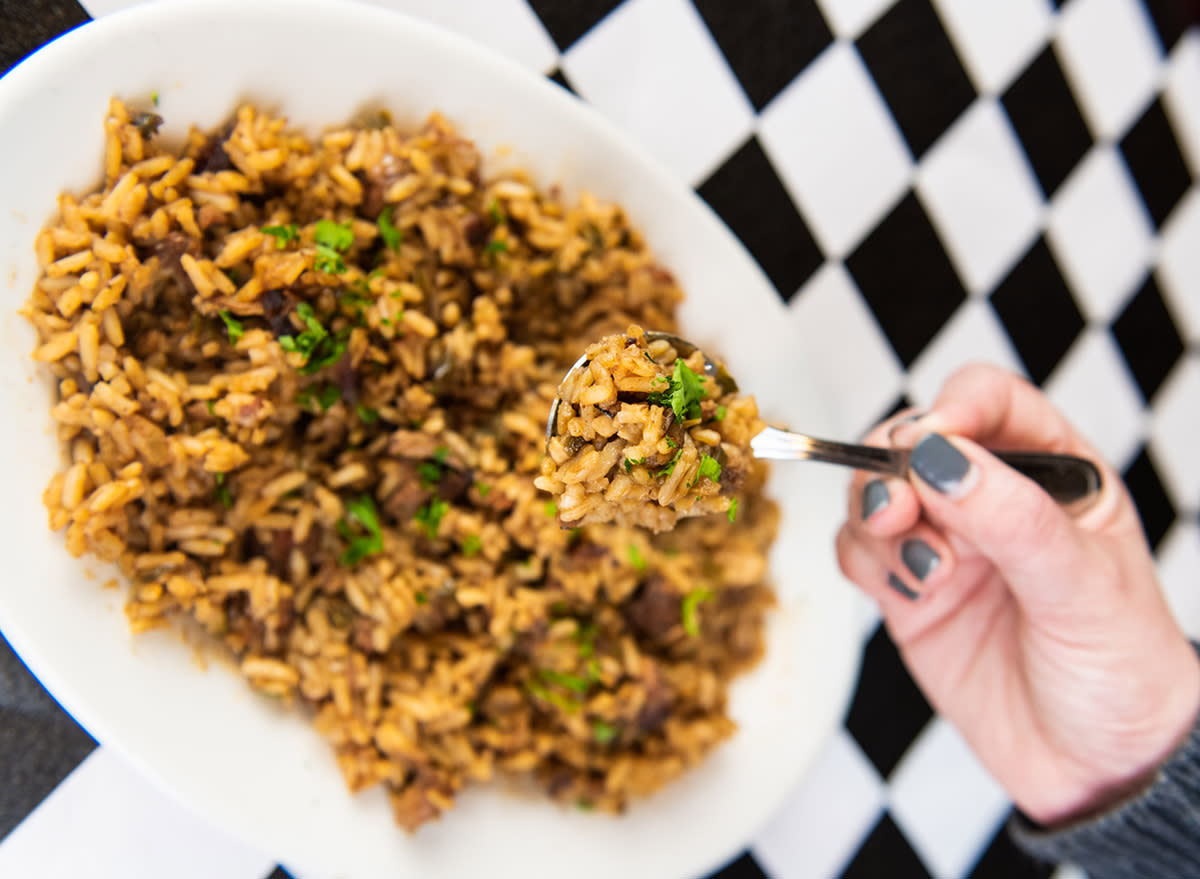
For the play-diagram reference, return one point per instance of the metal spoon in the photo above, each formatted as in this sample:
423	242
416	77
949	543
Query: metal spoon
1072	481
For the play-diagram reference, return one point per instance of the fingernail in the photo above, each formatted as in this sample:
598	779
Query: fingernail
919	557
939	464
874	498
902	587
904	422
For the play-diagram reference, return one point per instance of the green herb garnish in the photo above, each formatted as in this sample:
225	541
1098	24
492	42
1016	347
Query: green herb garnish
222	492
636	558
496	247
685	390
212	406
430	473
547	695
574	683
232	325
630	463
586	638
320	349
429	517
550	508
421	598
154	98
368	415
603	732
733	505
282	234
471	545
483	488
494	211
670	468
360	529
709	467
441	453
389	233
688	607
332	239
720	416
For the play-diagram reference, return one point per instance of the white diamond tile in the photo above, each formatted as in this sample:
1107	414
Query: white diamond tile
1175	434
1179	265
1096	392
684	105
981	195
1178	562
510	27
996	40
1068	871
1111	58
944	801
105	815
1100	233
836	148
849	18
839	335
822	825
1181	96
973	335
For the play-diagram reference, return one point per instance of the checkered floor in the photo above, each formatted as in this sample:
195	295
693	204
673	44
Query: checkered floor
926	182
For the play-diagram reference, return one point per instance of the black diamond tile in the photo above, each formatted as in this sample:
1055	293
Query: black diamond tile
29	26
888	711
1047	120
568	20
39	751
557	76
279	873
1148	338
1038	311
745	191
907	279
766	42
917	71
1171	19
1158	168
745	867
1003	860
886	853
1153	505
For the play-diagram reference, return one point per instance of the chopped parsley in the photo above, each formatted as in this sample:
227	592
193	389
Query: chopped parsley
421	598
483	488
320	349
636	558
387	231
547	695
326	396
430	473
670	468
332	239
283	235
709	467
471	545
550	508
222	492
232	325
688	610
685	390
586	638
495	213
720	416
574	683
733	505
367	414
441	453
429	517
212	406
361	531
630	463
154	98
496	246
603	732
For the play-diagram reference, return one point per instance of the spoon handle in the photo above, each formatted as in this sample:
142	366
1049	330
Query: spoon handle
1070	480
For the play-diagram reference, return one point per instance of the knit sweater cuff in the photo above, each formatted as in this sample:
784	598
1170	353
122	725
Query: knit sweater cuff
1154	833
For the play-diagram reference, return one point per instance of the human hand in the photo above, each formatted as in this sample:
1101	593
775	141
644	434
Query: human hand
1043	638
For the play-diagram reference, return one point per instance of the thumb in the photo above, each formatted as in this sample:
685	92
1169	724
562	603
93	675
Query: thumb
1005	517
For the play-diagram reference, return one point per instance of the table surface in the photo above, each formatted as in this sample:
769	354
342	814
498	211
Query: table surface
926	183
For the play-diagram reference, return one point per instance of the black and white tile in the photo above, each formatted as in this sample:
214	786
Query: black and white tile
926	182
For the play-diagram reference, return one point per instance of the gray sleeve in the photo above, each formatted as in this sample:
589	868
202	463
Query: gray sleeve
1154	833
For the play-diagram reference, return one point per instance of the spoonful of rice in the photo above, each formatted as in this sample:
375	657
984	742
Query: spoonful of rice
647	429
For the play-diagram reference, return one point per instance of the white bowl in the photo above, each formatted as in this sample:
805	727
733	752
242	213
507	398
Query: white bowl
203	737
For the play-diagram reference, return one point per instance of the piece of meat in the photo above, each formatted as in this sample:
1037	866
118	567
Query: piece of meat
657	707
212	156
654	609
412	808
454	484
170	251
415	445
409	496
474	229
277	304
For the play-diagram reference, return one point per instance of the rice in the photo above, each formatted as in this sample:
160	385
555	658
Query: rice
644	437
301	385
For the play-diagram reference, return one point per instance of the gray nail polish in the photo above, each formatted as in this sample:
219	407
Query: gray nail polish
938	463
874	497
901	587
919	557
